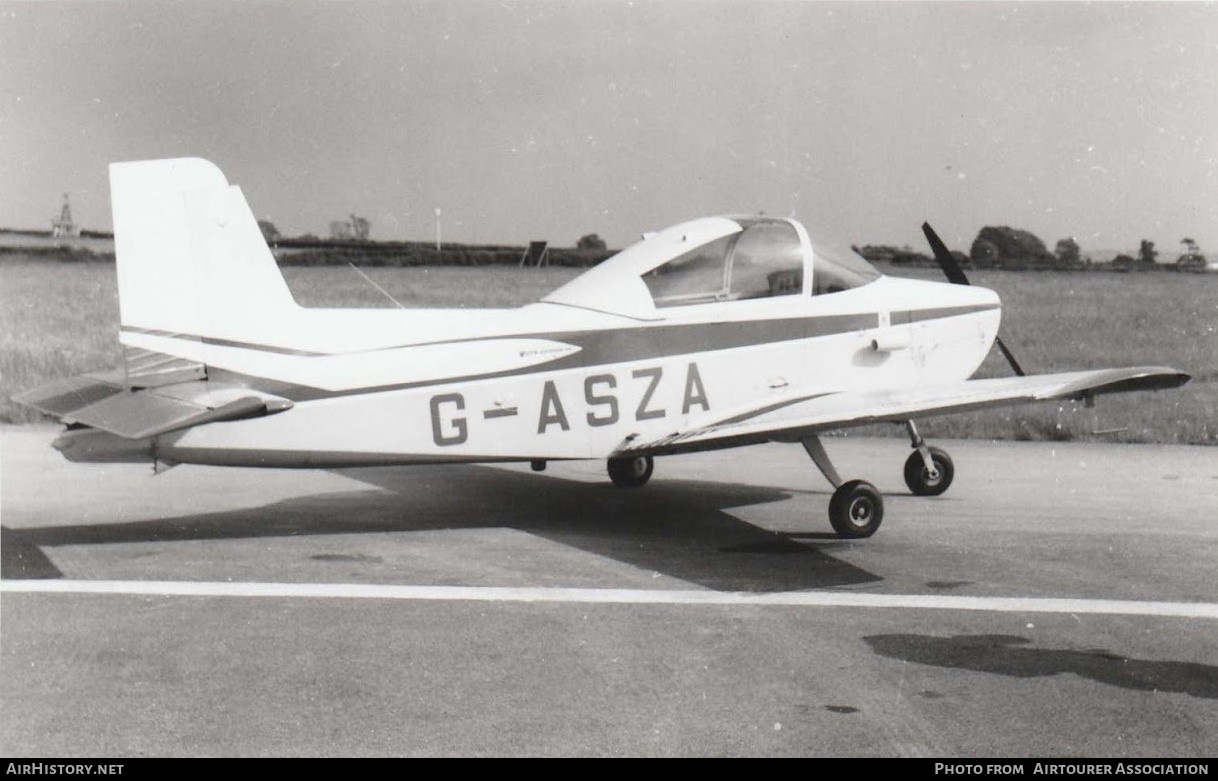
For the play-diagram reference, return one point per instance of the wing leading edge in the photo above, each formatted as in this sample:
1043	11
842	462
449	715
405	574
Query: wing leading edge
788	419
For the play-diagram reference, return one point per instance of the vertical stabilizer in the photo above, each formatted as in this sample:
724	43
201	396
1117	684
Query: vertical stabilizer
191	258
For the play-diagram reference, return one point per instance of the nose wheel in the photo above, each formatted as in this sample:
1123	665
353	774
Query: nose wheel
929	481
928	470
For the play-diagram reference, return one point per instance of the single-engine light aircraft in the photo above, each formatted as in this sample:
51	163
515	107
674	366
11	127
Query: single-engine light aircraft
715	333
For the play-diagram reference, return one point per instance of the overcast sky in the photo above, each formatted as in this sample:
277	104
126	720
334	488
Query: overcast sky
548	120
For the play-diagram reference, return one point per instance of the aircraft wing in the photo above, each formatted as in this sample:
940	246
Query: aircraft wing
788	418
104	401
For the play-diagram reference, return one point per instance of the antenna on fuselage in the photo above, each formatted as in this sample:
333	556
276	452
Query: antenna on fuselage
382	290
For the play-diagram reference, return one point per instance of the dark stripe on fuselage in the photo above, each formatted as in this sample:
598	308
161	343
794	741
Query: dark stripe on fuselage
763	410
918	315
262	348
823	325
623	345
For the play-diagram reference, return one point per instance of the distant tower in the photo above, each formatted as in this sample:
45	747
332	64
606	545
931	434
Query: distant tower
64	227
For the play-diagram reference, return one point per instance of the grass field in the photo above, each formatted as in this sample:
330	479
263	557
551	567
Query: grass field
61	319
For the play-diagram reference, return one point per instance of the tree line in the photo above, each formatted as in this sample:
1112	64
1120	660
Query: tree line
1012	248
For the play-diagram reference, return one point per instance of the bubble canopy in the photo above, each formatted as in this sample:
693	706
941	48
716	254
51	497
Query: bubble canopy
716	260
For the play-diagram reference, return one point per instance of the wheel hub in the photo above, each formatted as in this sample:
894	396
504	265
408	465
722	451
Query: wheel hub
860	511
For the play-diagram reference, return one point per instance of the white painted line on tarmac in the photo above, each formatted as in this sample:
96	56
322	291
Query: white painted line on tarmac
608	596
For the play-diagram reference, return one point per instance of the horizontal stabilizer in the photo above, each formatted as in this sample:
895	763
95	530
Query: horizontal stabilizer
63	396
139	415
800	415
101	401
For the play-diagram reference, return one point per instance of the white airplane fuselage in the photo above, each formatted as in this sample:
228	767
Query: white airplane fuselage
545	382
709	319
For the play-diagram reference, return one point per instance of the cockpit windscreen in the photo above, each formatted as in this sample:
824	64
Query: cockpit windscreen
835	269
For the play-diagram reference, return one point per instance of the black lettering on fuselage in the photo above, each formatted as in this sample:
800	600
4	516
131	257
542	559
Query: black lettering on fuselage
450	427
695	393
609	400
551	409
458	423
642	413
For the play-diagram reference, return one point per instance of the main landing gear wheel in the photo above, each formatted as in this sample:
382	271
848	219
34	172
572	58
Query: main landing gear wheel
856	509
924	482
631	472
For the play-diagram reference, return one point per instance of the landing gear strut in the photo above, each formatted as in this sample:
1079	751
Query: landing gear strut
856	508
632	472
928	470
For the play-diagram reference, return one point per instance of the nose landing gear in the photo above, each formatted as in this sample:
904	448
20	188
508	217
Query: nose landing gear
928	470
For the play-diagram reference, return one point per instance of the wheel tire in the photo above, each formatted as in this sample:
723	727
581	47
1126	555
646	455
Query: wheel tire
631	472
856	509
920	481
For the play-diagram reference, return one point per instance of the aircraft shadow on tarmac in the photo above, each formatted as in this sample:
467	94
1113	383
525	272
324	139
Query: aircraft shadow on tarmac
679	528
1010	655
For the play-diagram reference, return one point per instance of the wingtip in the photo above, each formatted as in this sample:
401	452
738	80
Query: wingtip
1166	376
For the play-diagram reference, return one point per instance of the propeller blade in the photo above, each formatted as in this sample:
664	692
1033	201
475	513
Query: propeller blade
950	267
955	275
1010	358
